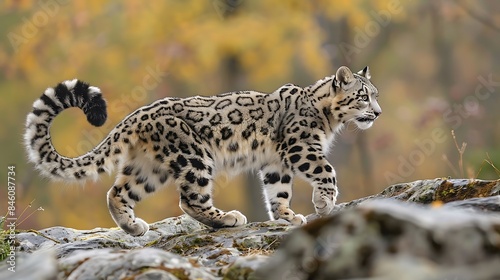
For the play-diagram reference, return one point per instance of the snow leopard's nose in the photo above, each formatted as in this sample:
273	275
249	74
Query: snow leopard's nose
377	111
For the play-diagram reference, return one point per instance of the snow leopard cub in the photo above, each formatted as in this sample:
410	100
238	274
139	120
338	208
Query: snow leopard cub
187	140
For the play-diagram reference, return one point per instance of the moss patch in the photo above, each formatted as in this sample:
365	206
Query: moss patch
262	243
448	191
5	238
4	246
192	243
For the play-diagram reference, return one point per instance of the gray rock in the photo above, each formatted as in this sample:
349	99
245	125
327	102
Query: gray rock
480	204
146	263
429	191
244	268
390	239
68	240
361	239
41	263
175	248
217	249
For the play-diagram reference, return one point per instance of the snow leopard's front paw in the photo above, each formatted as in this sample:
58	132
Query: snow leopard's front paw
323	204
137	228
233	219
287	214
298	220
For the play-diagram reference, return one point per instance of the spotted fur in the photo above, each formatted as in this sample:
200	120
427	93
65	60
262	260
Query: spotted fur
186	141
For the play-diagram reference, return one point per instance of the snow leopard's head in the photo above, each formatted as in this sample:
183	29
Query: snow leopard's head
355	97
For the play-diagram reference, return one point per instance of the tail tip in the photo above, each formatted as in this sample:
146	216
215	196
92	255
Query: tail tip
97	119
96	111
94	106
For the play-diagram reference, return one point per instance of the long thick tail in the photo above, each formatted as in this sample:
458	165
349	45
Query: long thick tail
37	139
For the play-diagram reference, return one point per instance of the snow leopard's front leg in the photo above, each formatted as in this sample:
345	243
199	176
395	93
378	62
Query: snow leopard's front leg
325	189
308	160
278	193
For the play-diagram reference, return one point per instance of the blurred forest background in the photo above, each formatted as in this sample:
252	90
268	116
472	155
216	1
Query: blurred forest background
436	65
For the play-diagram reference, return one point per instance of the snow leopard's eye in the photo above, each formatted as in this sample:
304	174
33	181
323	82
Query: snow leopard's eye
365	98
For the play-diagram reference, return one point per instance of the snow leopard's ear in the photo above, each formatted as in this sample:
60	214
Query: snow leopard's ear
365	73
343	78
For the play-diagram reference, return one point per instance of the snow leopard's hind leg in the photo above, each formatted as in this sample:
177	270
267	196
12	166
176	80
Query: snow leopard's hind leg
192	169
196	201
135	181
121	208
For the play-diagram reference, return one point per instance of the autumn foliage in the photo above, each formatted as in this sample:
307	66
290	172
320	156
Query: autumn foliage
435	64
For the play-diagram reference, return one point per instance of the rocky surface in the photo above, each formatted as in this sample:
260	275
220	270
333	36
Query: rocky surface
456	235
389	239
436	190
175	248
